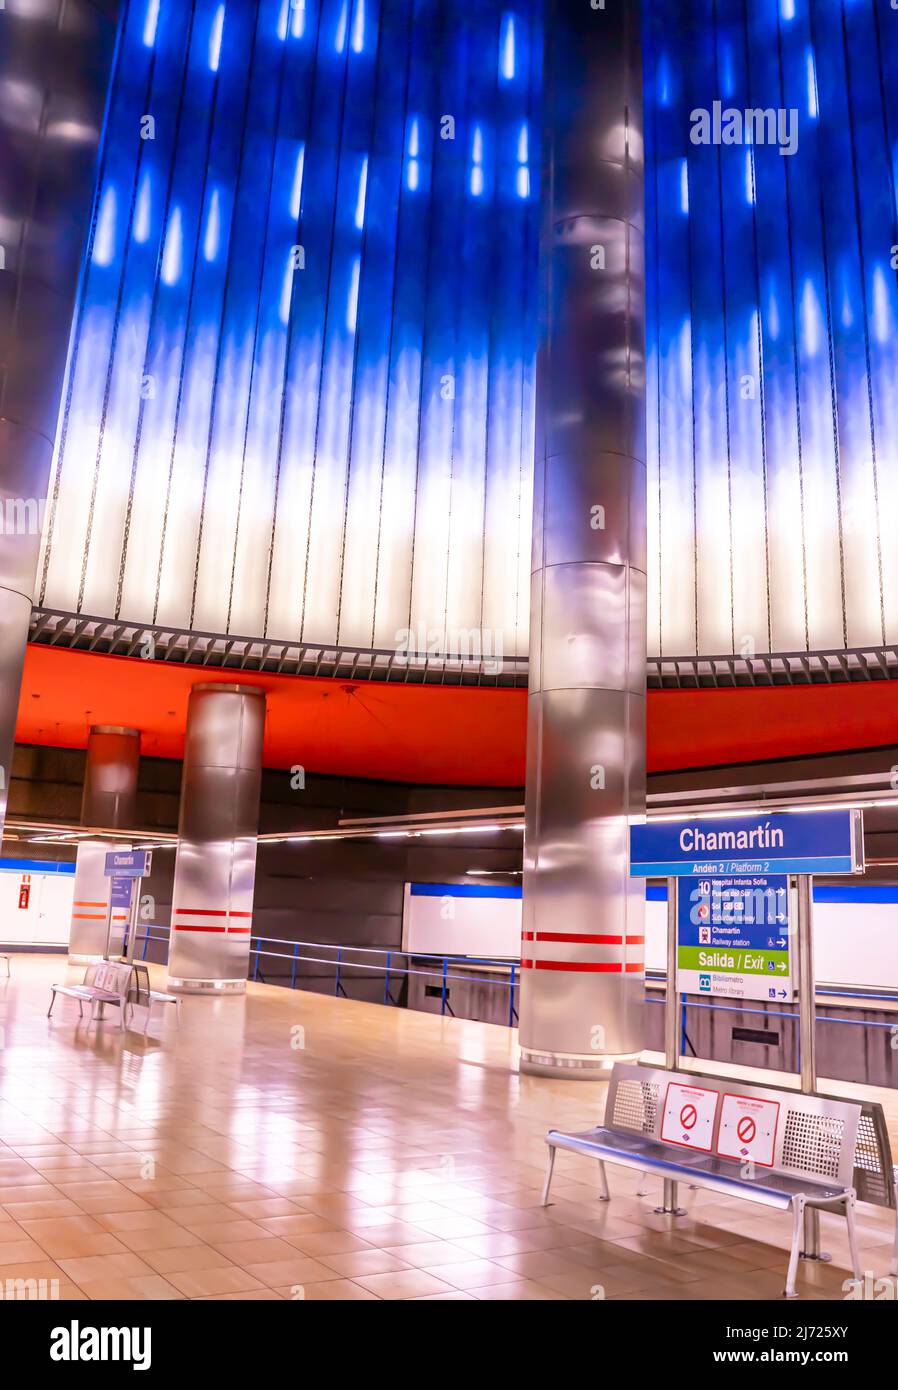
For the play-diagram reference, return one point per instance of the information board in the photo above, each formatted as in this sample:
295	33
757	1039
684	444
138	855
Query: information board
798	842
120	893
733	938
128	863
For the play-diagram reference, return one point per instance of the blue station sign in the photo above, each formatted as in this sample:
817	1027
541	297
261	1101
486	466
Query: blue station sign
794	842
128	863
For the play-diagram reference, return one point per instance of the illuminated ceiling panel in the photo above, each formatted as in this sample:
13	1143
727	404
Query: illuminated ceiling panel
300	392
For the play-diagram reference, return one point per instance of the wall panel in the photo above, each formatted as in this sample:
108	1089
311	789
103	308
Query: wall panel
300	393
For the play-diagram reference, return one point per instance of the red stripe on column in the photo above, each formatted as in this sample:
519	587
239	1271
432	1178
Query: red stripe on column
222	930
591	940
584	967
208	912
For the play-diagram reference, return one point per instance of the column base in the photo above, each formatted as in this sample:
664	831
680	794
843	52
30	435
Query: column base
77	958
206	986
571	1066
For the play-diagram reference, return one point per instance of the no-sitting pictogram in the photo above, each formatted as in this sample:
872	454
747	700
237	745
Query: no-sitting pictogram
746	1129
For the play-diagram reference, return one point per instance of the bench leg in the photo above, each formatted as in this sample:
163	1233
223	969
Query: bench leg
669	1201
550	1168
852	1238
52	1002
604	1195
811	1249
797	1229
642	1189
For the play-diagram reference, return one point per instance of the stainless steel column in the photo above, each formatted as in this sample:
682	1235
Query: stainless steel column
109	801
55	61
582	976
215	868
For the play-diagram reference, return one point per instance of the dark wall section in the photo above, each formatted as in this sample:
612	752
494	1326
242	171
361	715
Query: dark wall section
331	891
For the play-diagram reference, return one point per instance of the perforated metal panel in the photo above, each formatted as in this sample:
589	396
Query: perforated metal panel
812	1143
873	1160
636	1106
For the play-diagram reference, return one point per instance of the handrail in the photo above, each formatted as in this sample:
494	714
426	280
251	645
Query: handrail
445	975
341	964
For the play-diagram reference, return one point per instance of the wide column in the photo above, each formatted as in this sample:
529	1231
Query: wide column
583	949
215	868
55	61
109	802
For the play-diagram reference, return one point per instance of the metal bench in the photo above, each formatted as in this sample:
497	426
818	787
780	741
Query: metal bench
107	982
875	1178
141	996
780	1149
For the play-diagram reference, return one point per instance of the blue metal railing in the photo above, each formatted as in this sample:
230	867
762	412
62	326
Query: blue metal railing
447	969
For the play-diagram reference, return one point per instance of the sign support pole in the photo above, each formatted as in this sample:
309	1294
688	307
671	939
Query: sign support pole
807	1035
132	920
671	999
108	927
671	1027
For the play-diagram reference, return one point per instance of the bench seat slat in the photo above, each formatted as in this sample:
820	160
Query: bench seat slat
705	1170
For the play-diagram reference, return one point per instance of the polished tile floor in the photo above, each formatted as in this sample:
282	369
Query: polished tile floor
287	1145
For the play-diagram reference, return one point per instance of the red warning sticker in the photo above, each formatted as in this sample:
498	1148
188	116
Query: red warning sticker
748	1129
689	1116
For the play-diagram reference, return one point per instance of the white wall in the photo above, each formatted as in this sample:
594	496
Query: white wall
855	943
47	919
461	926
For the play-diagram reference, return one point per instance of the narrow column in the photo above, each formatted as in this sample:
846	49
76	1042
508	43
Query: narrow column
583	950
109	802
215	868
55	60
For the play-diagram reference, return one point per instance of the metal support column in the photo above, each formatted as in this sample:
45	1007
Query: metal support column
215	869
582	972
55	61
109	800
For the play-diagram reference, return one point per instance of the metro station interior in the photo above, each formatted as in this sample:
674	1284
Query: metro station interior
448	482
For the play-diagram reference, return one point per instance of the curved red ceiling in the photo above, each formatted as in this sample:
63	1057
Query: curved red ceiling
435	734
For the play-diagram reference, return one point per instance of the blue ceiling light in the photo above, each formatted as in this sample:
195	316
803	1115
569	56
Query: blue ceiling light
173	253
477	181
212	235
215	36
506	48
104	237
150	23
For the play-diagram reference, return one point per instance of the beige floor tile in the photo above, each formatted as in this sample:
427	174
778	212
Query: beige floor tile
333	1290
380	1163
199	1283
354	1262
183	1258
409	1283
298	1271
470	1274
